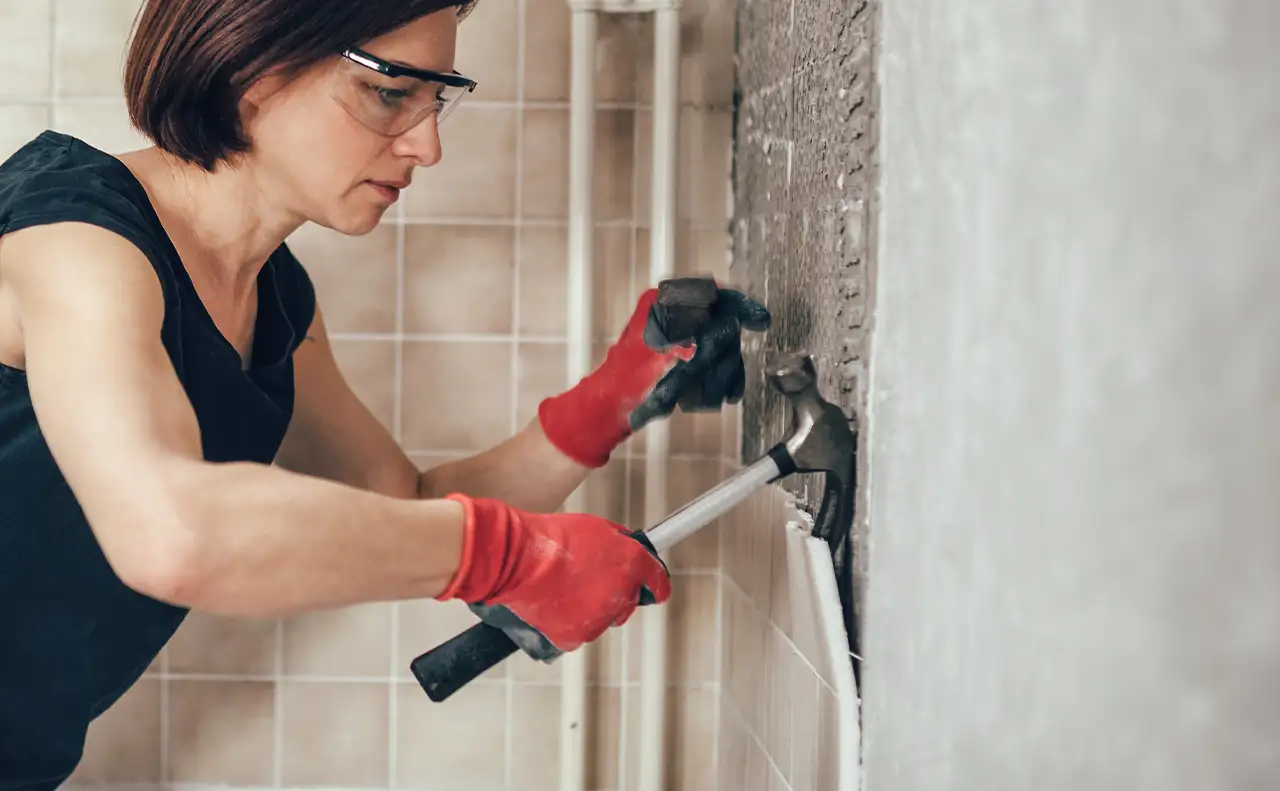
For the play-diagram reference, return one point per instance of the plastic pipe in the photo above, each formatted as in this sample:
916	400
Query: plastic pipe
666	109
573	666
835	643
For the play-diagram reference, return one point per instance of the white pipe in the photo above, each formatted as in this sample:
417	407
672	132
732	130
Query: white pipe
573	686
666	109
835	642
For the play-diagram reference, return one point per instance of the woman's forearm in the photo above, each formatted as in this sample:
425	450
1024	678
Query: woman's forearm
259	541
526	472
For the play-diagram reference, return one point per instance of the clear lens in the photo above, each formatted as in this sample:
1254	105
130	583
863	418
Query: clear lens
390	105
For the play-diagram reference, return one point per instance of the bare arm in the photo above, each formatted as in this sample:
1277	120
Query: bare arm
236	538
334	436
526	471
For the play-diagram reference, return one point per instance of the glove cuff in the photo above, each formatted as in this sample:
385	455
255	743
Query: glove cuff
593	417
491	533
583	425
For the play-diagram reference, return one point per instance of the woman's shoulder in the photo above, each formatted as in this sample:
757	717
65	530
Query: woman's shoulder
56	177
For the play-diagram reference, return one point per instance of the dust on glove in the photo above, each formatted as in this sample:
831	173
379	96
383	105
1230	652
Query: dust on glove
568	576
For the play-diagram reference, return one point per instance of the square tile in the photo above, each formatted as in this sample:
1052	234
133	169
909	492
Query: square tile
354	276
804	726
477	175
459	279
19	125
349	641
548	52
335	734
704	252
694	639
123	745
758	769
708	139
780	691
737	659
458	745
691	739
780	583
604	735
221	732
695	433
731	434
370	369
707	72
103	125
207	643
544	280
546	164
541	374
92	40
26	31
614	164
734	744
487	49
622	38
535	737
613	657
457	395
617	281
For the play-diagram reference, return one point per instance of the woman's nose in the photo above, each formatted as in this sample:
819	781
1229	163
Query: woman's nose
421	142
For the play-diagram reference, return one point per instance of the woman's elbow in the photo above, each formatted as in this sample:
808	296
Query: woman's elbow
167	566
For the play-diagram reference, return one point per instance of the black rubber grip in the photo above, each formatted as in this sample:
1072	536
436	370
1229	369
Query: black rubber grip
463	658
460	660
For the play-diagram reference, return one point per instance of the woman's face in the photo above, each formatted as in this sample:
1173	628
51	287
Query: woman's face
314	156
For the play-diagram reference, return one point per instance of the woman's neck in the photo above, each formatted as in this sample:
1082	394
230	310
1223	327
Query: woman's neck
223	224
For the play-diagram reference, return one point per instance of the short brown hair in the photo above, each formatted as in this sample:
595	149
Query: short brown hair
190	62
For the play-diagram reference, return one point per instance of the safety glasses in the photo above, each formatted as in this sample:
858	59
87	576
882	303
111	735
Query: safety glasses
391	99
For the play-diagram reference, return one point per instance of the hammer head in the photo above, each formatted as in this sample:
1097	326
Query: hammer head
821	439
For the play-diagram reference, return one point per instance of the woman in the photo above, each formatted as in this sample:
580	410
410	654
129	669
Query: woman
174	433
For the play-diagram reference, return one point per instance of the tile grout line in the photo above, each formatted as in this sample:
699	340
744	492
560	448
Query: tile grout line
488	104
501	221
517	204
399	681
746	726
397	429
787	638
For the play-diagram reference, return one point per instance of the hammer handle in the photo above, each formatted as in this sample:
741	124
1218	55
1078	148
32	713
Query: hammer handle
461	659
467	655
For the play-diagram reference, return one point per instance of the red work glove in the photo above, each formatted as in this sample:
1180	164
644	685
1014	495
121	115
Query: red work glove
646	371
568	576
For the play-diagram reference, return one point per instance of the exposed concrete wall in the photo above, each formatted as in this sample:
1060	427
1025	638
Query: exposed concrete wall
1075	428
804	176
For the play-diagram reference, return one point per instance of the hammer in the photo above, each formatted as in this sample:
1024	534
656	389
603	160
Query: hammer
820	441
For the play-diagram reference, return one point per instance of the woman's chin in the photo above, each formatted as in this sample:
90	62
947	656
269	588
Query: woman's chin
357	221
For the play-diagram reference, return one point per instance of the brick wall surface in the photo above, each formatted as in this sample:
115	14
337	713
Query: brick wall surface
803	230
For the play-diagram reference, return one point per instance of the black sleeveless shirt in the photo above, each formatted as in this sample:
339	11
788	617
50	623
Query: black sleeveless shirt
73	637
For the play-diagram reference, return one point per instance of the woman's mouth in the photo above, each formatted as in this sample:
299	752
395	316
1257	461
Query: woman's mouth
389	191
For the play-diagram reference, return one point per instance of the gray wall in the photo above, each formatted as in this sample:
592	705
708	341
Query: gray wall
1075	407
804	204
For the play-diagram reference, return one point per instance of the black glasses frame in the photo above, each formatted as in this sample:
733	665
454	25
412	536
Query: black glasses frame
452	79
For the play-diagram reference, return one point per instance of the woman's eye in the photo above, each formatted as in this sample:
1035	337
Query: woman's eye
391	97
